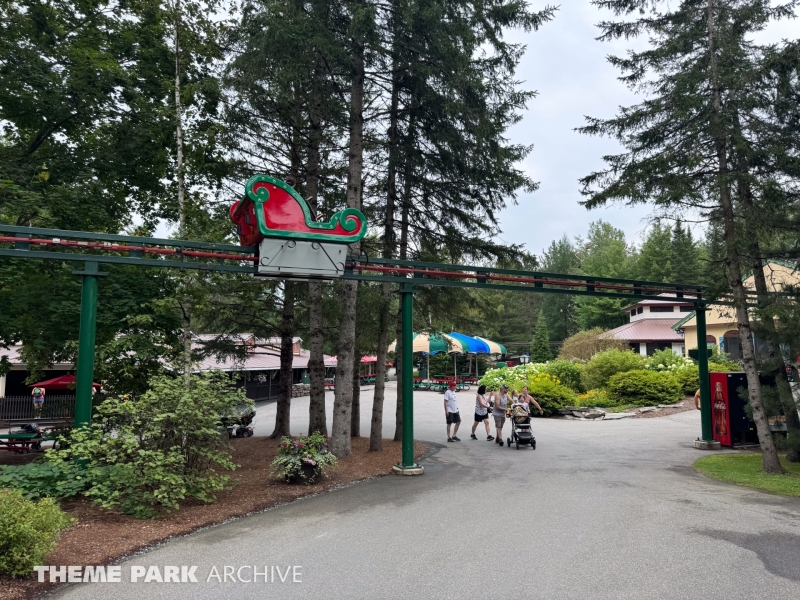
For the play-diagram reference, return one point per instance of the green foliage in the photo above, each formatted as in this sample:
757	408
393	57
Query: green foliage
667	360
303	458
29	530
585	344
512	377
147	454
540	347
645	388
604	365
569	373
688	379
599	398
44	479
549	393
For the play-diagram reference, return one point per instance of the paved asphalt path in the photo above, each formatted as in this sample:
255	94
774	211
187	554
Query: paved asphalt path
609	509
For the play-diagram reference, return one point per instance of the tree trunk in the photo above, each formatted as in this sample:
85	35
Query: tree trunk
376	425
317	420
287	358
342	405
733	260
355	412
776	365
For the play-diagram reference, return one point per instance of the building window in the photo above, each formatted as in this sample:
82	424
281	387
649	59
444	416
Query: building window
686	309
661	309
639	310
653	347
633	313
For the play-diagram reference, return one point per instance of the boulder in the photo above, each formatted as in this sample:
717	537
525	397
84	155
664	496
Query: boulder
577	408
648	409
669	405
594	414
618	416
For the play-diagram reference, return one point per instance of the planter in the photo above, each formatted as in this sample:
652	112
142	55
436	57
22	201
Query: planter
308	474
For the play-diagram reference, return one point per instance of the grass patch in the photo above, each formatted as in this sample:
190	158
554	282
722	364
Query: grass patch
746	469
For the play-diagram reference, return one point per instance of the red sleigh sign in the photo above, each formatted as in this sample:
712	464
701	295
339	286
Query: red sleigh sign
291	244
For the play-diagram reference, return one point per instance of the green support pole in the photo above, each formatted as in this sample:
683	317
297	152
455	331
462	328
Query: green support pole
86	339
706	442
407	465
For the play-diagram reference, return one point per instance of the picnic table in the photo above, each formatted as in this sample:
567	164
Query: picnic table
330	384
21	443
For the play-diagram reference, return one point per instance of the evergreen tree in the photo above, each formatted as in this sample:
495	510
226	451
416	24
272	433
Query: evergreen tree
604	253
540	347
686	256
655	259
559	309
688	142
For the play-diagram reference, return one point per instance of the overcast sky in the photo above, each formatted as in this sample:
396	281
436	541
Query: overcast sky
568	68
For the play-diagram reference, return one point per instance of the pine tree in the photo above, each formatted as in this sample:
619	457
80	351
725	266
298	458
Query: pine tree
540	347
684	141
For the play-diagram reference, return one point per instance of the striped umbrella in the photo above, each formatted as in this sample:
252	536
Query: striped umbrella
434	343
494	347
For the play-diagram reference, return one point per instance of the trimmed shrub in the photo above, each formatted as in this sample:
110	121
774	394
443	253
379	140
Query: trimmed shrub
585	344
645	388
606	364
303	458
28	531
689	377
549	393
667	360
596	398
513	377
569	373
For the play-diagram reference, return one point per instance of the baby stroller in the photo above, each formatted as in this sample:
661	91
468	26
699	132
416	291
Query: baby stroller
521	427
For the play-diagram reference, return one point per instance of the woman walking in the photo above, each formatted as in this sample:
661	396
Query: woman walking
481	413
499	412
526	399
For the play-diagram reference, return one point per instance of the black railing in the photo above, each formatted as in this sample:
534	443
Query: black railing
21	407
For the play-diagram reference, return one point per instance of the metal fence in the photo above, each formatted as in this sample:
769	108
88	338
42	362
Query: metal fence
21	407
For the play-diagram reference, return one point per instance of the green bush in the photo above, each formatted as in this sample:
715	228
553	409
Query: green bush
567	372
605	364
28	531
667	360
689	377
549	393
513	377
310	452
596	398
146	455
645	388
45	480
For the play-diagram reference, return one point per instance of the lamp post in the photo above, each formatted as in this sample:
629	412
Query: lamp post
524	359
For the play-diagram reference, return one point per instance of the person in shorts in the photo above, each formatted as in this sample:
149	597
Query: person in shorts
481	413
501	403
451	412
38	401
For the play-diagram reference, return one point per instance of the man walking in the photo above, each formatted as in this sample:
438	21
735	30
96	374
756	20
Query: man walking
451	412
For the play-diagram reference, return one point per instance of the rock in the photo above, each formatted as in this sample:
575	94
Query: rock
594	414
618	416
564	411
669	405
648	409
577	408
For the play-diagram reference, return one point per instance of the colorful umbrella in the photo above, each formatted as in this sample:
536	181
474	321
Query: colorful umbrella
434	343
494	347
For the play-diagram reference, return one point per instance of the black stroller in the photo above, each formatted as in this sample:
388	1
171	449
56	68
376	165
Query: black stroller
521	427
239	425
